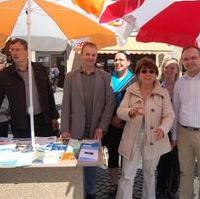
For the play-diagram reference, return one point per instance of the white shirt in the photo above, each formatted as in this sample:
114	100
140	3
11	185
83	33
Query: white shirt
186	101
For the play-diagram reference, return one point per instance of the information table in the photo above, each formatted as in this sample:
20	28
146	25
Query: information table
40	181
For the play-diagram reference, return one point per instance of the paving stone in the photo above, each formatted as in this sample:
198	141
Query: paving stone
103	184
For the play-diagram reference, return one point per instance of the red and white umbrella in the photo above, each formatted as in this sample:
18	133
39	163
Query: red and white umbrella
178	24
175	22
133	14
118	9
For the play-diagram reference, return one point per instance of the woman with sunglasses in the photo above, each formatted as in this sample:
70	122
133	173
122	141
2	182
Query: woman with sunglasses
122	77
168	166
147	110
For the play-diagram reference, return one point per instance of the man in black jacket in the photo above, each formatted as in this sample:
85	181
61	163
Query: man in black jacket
14	84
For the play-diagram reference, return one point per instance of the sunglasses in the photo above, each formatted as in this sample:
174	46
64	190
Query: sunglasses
147	71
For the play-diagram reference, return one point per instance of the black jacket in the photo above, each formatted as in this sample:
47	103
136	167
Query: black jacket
12	85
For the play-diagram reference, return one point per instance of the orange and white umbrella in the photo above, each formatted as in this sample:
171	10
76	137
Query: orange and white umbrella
50	19
91	6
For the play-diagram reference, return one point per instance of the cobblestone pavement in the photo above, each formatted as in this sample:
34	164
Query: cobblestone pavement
103	184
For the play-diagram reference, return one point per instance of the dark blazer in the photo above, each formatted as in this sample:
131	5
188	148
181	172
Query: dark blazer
12	85
73	108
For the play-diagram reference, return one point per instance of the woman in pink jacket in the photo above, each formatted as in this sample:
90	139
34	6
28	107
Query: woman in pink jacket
147	110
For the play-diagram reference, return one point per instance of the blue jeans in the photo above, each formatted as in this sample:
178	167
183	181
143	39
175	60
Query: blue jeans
89	180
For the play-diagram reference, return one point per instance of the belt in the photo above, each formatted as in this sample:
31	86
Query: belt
36	115
192	128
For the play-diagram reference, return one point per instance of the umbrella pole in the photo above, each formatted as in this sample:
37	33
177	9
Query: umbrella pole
30	75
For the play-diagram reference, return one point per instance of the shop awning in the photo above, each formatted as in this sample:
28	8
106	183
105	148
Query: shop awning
134	47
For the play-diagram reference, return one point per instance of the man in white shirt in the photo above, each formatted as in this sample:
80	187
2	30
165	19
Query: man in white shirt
186	130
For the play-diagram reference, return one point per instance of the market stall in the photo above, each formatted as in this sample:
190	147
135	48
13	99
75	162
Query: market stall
52	171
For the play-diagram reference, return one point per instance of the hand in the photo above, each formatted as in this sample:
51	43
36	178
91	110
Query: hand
158	134
116	122
65	135
98	134
136	111
174	143
55	124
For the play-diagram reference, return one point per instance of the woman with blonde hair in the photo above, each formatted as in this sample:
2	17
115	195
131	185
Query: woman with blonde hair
170	72
168	167
147	110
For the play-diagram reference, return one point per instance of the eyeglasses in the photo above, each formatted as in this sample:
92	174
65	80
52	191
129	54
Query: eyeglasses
115	60
147	71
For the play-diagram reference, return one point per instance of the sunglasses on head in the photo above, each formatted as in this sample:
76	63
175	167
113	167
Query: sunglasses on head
149	71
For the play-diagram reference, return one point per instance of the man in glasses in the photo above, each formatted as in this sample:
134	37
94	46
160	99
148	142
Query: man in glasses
14	83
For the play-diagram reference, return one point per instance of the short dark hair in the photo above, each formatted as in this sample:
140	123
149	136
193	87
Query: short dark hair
190	47
145	63
21	41
125	53
90	44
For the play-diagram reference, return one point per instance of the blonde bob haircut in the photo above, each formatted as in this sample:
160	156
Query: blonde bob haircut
166	62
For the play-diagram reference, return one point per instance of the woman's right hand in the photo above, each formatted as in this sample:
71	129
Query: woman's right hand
135	111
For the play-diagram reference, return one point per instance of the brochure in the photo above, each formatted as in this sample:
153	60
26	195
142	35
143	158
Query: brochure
88	155
89	151
10	159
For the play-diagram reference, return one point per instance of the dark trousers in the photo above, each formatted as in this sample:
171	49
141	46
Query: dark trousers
42	129
4	127
168	173
112	140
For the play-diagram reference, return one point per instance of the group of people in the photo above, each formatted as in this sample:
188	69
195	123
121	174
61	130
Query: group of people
135	109
130	111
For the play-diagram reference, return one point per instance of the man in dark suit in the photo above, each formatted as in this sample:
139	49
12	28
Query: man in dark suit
88	104
14	83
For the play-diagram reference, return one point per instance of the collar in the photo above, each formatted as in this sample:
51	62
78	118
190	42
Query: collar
157	90
86	73
19	70
13	69
197	76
